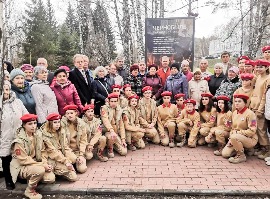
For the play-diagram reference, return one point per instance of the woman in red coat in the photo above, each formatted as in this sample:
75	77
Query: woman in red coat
65	91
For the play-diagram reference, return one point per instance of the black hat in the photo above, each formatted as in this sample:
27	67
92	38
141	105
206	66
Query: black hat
59	71
175	65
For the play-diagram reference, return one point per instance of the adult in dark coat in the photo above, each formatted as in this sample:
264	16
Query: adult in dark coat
22	90
153	80
8	66
101	88
215	80
80	80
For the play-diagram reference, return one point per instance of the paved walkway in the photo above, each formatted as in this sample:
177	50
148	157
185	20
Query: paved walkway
162	169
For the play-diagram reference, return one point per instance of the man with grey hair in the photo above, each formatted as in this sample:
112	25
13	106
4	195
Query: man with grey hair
203	66
43	62
186	70
165	71
80	80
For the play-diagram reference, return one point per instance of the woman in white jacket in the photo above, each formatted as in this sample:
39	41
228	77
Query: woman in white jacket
13	110
44	96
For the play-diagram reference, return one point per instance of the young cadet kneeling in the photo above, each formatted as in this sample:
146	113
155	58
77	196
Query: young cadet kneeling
75	131
148	119
94	134
111	116
188	120
134	132
243	133
27	162
56	147
221	131
167	114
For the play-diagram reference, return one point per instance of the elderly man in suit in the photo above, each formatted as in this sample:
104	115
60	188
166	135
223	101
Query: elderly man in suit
80	79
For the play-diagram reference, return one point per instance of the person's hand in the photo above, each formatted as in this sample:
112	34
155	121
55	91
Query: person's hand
48	168
190	123
259	115
107	100
124	144
113	135
89	148
162	136
150	126
142	130
70	167
166	125
79	160
154	97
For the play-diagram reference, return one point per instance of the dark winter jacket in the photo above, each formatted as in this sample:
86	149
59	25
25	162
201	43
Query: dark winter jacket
101	89
25	96
155	82
177	84
123	72
136	84
228	87
215	82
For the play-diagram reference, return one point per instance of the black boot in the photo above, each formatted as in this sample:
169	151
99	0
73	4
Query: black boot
6	170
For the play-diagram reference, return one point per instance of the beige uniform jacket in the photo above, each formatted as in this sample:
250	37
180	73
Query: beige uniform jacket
244	123
257	95
208	119
166	114
186	117
93	130
148	110
224	120
241	91
76	135
56	145
196	88
132	119
113	118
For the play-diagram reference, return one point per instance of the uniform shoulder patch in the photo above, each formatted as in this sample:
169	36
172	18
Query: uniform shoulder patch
253	123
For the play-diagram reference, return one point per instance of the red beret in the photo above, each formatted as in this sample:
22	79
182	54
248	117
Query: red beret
113	95
250	62
147	88
134	67
265	48
70	107
29	117
153	65
262	62
126	86
177	96
192	101
116	86
88	106
242	57
133	97
27	67
166	93
53	116
246	76
242	96
223	97
207	95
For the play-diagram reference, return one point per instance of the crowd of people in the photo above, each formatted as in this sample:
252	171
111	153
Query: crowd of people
54	122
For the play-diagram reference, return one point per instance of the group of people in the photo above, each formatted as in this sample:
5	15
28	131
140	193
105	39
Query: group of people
53	123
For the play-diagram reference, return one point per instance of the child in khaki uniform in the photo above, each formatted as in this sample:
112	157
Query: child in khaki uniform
148	118
27	162
75	130
243	133
111	116
56	148
208	116
180	98
94	134
134	132
167	114
221	131
188	121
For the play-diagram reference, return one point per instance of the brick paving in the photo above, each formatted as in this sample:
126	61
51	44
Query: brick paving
164	168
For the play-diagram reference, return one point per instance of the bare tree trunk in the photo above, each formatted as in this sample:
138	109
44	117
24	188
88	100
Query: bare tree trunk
264	13
127	32
251	30
140	30
118	21
1	60
161	8
145	8
242	28
156	8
